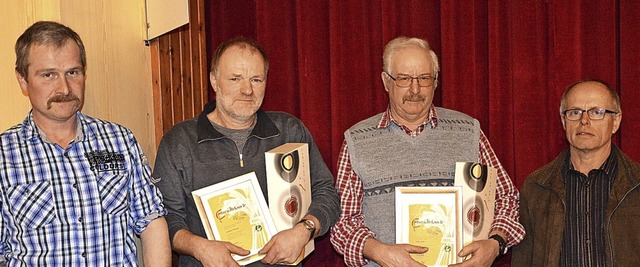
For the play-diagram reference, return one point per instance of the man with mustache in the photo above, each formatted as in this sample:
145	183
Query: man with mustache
412	142
582	208
229	139
74	190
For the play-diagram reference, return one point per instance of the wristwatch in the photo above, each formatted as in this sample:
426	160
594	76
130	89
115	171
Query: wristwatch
310	225
502	245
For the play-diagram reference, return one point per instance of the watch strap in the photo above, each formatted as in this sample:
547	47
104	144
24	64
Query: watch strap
309	225
502	244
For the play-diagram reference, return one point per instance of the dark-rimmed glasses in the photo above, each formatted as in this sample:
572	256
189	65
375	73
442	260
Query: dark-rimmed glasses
593	113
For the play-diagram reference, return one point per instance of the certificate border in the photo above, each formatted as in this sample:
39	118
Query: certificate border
405	196
223	187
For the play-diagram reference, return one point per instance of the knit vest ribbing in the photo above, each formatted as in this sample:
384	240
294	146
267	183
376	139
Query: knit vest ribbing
388	157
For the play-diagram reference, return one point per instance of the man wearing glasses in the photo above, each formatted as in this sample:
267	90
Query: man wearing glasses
582	208
411	143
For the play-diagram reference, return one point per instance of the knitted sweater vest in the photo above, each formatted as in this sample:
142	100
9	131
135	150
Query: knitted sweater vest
388	157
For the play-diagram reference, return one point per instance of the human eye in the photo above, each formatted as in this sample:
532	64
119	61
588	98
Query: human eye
403	78
48	75
74	73
425	78
257	80
574	112
235	79
598	111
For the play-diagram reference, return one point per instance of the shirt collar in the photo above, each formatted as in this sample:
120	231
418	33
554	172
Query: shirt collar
608	166
30	130
387	118
263	128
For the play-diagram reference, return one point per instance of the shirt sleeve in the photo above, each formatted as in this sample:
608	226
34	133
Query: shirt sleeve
168	172
507	197
146	199
3	235
349	233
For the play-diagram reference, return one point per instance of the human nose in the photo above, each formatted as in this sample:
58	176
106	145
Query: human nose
584	118
246	87
63	85
414	87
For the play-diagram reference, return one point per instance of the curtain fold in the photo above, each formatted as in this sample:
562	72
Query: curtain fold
504	62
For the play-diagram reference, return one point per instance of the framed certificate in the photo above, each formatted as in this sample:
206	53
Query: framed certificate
236	211
430	217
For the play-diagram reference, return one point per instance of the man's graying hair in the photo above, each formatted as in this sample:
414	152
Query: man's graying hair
242	43
402	42
48	33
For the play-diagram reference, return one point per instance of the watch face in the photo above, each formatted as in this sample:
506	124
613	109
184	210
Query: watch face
309	224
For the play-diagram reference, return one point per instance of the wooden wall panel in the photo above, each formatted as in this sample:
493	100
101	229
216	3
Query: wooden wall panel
187	75
199	60
179	70
118	86
15	17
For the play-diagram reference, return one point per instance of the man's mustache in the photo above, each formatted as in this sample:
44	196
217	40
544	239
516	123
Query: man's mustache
62	98
414	98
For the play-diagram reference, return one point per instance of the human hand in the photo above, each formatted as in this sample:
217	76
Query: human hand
479	253
218	253
285	246
397	255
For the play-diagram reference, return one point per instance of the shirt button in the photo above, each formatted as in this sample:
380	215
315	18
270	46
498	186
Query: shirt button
84	254
80	219
75	185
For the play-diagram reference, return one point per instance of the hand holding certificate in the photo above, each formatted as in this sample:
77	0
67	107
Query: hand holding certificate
448	217
236	211
430	217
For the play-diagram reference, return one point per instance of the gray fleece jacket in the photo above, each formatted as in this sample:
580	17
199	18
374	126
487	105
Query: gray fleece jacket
193	155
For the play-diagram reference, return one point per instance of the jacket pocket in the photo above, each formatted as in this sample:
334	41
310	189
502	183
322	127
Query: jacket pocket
32	204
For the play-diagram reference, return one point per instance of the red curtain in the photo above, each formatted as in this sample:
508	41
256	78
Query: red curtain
504	62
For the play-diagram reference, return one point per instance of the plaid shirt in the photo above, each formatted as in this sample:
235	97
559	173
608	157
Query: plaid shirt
80	206
349	234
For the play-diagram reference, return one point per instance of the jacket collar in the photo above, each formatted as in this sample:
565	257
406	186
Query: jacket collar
555	181
264	127
627	178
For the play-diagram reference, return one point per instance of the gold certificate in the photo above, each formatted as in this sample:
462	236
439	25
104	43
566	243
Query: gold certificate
236	211
430	217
